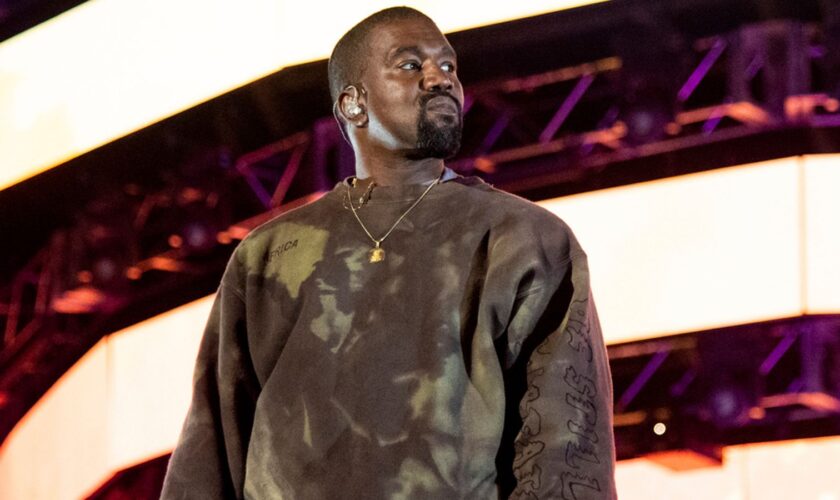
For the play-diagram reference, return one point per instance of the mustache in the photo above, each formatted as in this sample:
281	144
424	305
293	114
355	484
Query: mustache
425	98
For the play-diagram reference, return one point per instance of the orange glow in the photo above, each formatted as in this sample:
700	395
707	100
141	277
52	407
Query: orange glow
124	65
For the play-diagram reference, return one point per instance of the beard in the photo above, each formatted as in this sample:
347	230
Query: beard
439	137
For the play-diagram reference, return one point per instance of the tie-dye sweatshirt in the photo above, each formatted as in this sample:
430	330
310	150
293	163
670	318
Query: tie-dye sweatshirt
469	363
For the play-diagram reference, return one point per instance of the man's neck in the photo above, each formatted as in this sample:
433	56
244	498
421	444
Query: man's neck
398	172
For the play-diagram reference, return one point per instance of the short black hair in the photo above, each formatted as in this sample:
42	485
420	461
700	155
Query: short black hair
347	60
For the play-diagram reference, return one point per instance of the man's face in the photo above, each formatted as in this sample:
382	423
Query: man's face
414	98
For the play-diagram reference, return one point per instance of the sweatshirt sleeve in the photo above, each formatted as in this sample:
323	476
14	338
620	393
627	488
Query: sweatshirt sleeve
209	459
563	445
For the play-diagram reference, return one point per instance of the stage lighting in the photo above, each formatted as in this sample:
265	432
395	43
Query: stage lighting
104	254
646	119
653	59
200	217
729	405
660	428
108	270
199	235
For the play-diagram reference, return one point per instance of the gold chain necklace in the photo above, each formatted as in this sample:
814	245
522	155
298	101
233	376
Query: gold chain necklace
377	253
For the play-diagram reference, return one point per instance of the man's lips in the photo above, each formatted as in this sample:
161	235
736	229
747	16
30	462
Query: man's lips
442	104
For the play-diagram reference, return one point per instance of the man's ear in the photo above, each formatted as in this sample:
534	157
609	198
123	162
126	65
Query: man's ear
351	105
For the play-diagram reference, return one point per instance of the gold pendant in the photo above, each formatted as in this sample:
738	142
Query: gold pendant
376	254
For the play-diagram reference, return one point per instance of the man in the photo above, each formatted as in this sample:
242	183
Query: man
413	333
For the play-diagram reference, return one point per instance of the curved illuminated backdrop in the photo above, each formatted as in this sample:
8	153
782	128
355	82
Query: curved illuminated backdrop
730	246
110	67
719	248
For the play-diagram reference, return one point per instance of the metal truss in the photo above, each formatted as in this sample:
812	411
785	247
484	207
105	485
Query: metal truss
128	249
698	392
759	78
28	301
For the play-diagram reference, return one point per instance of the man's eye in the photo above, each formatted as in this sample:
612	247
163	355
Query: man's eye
448	67
410	65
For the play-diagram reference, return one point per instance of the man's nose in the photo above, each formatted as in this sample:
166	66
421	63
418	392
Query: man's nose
434	78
